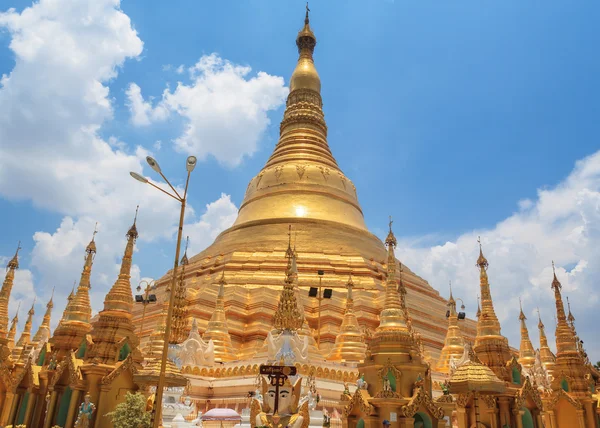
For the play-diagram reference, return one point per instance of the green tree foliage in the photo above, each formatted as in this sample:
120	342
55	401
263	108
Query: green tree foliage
131	413
597	365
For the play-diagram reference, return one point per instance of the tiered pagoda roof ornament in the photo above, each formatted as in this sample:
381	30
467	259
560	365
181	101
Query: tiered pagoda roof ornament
179	313
13	329
350	343
25	338
393	335
547	357
490	346
569	367
113	332
217	330
75	323
526	351
570	317
7	285
454	344
43	332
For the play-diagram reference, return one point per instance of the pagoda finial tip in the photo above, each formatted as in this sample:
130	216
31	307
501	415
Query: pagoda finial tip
481	260
306	20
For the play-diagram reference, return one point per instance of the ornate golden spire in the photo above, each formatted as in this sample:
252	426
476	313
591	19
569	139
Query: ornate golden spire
490	346
75	323
454	344
179	317
25	338
570	317
289	316
43	332
349	343
393	334
13	329
305	75
478	314
114	321
217	330
546	355
11	267
526	351
569	365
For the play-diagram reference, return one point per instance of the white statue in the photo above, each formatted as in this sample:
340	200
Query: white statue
361	383
287	346
194	351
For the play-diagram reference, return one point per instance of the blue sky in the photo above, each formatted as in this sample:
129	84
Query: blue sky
444	114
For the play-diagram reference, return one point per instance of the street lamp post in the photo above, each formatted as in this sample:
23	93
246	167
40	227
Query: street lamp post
317	292
145	298
190	165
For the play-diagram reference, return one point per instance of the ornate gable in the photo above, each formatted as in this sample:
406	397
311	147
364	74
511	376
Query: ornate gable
360	401
126	364
422	399
556	397
527	390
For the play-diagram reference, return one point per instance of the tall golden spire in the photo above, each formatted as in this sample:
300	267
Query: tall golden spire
490	346
13	329
25	338
7	285
569	365
179	318
478	314
75	323
454	344
570	317
546	355
43	332
526	351
289	315
393	334
217	330
349	343
114	321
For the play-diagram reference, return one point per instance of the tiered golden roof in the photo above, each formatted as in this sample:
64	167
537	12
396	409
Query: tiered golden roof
289	316
546	355
25	338
75	323
454	345
114	324
526	351
179	312
349	344
490	346
217	328
472	375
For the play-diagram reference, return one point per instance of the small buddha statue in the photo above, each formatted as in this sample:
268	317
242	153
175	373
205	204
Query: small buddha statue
289	414
86	410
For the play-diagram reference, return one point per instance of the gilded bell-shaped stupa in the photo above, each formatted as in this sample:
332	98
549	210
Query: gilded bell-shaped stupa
350	343
454	345
301	184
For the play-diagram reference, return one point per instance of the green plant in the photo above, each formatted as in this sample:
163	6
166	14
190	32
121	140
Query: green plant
131	413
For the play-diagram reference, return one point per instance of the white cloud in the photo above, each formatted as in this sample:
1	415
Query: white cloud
219	215
142	113
562	224
225	109
52	155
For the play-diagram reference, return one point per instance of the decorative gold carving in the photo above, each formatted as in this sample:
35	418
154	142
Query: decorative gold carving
422	398
259	178
527	390
126	364
360	400
445	399
342	179
325	172
300	169
489	400
560	393
463	399
278	171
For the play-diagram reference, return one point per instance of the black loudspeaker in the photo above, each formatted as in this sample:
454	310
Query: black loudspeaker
313	292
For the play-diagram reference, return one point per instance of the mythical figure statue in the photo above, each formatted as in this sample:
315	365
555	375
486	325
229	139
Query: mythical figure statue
287	346
86	411
289	413
346	389
386	383
361	383
194	351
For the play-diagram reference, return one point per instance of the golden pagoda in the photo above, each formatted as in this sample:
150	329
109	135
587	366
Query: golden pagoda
350	343
526	351
217	328
13	329
546	355
7	285
25	338
75	322
490	346
454	345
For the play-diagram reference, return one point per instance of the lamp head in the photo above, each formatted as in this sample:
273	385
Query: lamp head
138	177
138	288
190	163
153	164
